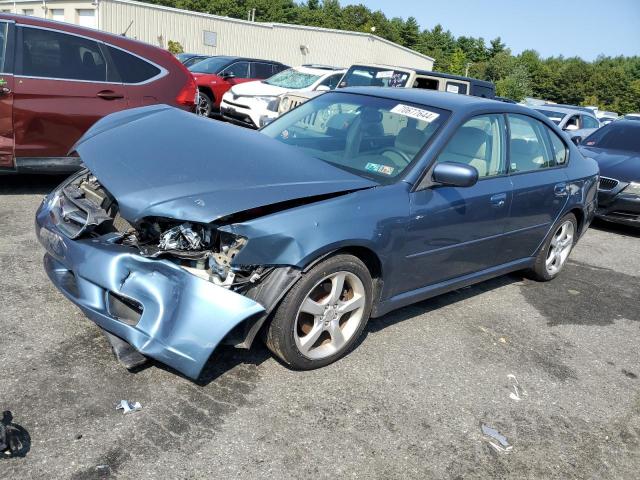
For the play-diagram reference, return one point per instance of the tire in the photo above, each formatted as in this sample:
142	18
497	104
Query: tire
205	104
305	340
558	244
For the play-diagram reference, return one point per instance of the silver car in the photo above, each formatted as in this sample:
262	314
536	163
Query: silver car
576	123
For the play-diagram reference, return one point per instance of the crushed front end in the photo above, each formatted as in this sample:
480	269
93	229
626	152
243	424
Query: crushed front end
167	287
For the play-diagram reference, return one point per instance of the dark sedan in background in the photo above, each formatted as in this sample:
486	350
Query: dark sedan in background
616	148
356	203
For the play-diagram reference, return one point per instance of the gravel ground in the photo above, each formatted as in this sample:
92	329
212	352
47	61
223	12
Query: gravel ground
409	402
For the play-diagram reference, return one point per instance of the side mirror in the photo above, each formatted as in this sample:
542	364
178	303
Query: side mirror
455	174
322	88
227	75
577	140
571	128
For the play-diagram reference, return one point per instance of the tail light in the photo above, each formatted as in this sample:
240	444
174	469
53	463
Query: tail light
189	92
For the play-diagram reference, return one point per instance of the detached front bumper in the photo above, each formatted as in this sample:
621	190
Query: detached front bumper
163	311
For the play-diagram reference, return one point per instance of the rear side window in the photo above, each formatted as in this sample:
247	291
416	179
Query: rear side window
131	69
3	44
277	68
261	70
560	151
50	54
529	145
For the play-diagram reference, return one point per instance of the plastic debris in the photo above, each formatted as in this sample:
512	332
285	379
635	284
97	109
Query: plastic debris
128	406
498	441
518	391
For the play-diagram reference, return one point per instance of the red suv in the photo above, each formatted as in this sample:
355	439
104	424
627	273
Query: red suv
217	74
56	80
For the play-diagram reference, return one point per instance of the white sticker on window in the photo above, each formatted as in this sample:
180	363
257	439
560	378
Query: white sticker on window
453	89
385	74
413	112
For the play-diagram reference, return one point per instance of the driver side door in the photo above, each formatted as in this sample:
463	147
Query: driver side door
6	95
455	231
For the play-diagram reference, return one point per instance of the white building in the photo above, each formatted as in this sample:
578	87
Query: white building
215	35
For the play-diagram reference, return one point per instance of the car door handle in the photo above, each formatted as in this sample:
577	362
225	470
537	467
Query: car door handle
560	190
498	200
109	95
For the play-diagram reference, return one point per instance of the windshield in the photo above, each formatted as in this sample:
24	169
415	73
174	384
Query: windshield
555	117
210	65
358	76
376	138
292	79
616	136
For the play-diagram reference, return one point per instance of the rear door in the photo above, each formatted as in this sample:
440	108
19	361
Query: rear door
537	160
260	70
6	94
60	90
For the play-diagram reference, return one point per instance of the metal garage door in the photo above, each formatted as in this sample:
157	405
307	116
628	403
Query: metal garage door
87	18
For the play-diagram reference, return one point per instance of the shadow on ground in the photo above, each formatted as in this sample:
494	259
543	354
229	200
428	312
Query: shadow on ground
29	184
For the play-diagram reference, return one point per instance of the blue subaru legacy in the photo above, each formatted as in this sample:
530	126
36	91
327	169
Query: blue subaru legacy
182	233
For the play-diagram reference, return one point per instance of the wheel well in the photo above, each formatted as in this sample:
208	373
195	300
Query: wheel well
370	260
579	214
208	91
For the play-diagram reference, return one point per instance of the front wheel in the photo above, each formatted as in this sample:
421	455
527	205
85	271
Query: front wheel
205	104
554	253
322	316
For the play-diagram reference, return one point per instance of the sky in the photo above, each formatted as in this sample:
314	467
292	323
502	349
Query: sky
583	28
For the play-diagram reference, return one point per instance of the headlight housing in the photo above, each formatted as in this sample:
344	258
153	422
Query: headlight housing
632	189
271	103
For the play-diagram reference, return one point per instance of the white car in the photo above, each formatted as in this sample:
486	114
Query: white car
254	104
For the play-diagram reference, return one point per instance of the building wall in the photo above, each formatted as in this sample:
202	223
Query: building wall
71	9
290	44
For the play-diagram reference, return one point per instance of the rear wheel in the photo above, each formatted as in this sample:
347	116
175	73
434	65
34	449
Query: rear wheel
554	253
205	104
322	316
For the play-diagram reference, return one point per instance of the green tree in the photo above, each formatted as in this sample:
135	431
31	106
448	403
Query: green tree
458	62
174	47
410	33
516	85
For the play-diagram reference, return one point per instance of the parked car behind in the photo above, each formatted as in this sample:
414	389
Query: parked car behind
356	203
254	104
616	148
188	59
215	75
391	76
576	123
57	79
375	75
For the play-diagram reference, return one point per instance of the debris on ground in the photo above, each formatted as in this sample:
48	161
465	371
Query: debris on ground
14	440
128	406
518	391
496	439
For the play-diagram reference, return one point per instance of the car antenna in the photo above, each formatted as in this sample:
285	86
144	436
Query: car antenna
124	34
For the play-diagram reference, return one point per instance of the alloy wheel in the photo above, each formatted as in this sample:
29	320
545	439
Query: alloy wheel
560	247
330	315
204	108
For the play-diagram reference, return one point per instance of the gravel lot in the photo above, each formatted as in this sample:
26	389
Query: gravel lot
407	403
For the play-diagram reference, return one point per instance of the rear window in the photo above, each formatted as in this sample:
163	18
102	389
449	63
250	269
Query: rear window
616	136
132	69
50	54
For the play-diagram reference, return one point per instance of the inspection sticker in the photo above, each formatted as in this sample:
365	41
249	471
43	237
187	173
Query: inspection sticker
377	168
413	112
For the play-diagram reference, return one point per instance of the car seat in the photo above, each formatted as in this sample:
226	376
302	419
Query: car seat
469	145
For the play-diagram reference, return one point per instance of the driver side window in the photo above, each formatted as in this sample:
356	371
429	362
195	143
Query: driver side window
238	69
479	143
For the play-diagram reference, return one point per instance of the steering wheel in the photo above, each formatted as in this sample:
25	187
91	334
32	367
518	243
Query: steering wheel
403	156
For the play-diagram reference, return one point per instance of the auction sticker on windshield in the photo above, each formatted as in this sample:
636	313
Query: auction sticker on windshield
413	112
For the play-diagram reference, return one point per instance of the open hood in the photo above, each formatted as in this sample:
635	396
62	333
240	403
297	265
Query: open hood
164	162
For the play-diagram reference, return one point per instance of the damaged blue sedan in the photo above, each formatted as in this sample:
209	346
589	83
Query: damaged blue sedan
182	233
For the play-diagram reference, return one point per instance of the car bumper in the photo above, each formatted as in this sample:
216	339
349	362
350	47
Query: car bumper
621	208
163	311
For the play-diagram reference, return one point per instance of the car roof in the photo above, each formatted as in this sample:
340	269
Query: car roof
318	71
562	109
247	59
443	100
